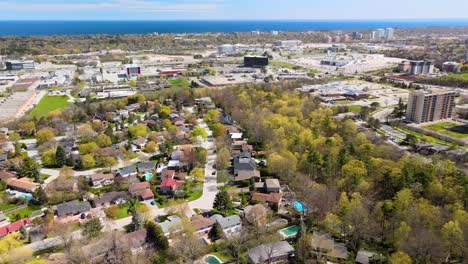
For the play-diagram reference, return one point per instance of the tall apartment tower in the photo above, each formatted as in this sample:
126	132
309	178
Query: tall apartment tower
430	105
389	33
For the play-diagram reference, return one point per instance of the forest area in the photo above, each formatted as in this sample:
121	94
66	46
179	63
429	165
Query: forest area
367	194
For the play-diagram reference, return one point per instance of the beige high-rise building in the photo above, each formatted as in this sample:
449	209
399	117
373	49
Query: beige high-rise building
430	105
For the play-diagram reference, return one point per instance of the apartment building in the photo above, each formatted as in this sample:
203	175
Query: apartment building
430	105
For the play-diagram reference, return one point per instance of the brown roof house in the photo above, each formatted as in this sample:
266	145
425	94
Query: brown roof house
6	175
99	180
22	185
141	190
202	224
272	199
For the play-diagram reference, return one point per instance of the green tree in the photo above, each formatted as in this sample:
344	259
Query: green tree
199	132
155	236
222	202
44	135
92	228
29	168
88	147
60	156
216	232
40	196
48	158
400	258
102	140
452	235
108	162
88	162
138	220
138	130
223	159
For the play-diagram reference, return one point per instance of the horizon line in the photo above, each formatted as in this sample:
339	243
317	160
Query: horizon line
234	20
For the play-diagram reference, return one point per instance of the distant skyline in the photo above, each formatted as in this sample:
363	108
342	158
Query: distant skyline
232	9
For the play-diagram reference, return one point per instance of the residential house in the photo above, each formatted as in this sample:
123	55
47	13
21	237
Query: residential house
202	224
169	186
72	208
136	241
22	185
141	190
15	226
272	199
139	143
133	107
243	162
127	171
226	119
269	186
364	256
324	246
146	167
172	224
247	175
123	114
231	225
111	198
109	152
270	253
6	175
168	174
99	180
180	175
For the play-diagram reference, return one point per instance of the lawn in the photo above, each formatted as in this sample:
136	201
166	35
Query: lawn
44	176
122	211
47	104
24	212
222	256
457	76
292	66
181	83
4	207
423	137
450	129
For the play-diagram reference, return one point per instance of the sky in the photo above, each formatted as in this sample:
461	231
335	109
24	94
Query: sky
231	9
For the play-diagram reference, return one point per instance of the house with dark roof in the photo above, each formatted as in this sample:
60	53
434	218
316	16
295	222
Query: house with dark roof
226	119
169	186
231	225
146	167
268	186
127	171
110	198
72	208
243	162
270	253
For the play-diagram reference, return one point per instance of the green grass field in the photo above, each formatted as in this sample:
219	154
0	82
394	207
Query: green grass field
24	212
292	66
457	76
423	137
443	128
47	104
180	83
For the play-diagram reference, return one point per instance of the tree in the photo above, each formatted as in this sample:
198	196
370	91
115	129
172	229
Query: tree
48	158
40	196
216	232
108	162
199	132
92	228
156	237
27	128
399	258
137	218
29	168
44	135
139	130
223	159
222	202
88	162
151	147
102	140
198	174
452	236
60	156
218	130
88	147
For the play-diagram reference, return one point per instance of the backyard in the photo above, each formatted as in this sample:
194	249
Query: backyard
47	104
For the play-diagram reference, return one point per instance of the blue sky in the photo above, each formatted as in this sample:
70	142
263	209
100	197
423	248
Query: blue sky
231	9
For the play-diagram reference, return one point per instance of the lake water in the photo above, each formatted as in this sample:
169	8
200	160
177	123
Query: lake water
45	28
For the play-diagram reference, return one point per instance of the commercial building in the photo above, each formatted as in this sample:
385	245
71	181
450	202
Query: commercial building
227	49
287	43
132	71
357	35
20	65
389	33
421	67
255	61
430	105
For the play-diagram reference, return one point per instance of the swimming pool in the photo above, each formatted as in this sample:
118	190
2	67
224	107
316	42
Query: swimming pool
212	260
289	231
148	176
299	206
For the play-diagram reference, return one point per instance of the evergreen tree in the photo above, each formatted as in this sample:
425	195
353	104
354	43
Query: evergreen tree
137	217
92	228
60	156
40	196
216	232
156	237
29	168
222	202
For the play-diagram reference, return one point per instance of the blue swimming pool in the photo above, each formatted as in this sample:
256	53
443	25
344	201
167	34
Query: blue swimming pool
148	176
299	206
213	260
